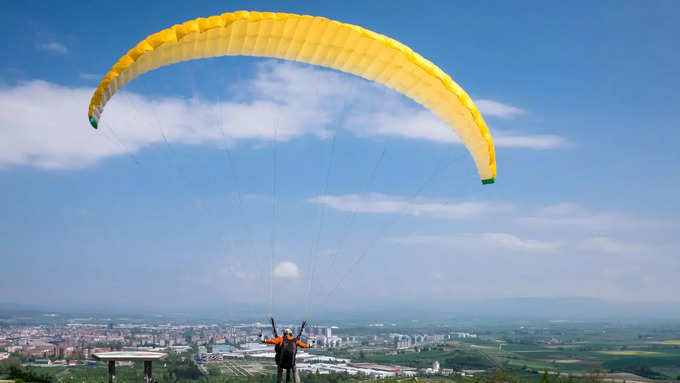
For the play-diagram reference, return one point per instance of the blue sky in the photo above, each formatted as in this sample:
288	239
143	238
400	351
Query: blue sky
327	175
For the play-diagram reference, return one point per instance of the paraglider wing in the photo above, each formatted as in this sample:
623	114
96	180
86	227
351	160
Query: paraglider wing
314	40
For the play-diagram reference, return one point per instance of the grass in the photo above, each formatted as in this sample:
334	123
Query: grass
532	365
659	361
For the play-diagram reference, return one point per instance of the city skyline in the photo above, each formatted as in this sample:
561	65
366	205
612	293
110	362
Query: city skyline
236	180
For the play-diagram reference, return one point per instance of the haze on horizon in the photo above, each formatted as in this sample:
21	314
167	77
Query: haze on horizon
327	190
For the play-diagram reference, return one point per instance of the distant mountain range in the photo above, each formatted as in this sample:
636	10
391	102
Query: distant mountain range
539	308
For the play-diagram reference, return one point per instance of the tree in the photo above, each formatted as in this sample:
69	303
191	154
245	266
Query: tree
595	374
499	376
19	373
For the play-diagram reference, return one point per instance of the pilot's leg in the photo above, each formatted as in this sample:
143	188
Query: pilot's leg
279	373
296	375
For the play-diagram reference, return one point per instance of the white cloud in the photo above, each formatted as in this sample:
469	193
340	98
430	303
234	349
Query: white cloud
610	246
420	124
38	126
537	141
479	240
286	270
494	108
54	47
90	76
513	242
569	214
401	122
235	270
377	203
45	125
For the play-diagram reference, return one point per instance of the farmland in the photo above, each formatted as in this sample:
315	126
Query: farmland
642	352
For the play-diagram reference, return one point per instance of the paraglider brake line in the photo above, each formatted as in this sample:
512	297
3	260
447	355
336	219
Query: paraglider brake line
128	152
365	252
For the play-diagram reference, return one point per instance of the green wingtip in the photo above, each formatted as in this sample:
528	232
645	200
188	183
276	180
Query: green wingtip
488	181
93	122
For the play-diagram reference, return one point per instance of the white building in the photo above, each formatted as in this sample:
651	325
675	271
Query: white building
464	335
324	368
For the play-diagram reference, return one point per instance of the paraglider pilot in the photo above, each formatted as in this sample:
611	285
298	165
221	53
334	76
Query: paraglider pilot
286	349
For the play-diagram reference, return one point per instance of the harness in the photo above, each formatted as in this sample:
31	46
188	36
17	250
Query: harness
287	351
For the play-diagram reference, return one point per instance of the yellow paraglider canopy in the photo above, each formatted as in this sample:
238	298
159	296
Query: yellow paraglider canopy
314	40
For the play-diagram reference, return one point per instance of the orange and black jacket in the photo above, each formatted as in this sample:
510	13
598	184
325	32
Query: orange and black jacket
279	341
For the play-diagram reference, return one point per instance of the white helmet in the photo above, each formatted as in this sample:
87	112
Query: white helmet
287	331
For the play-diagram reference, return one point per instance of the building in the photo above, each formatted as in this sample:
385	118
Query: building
366	369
